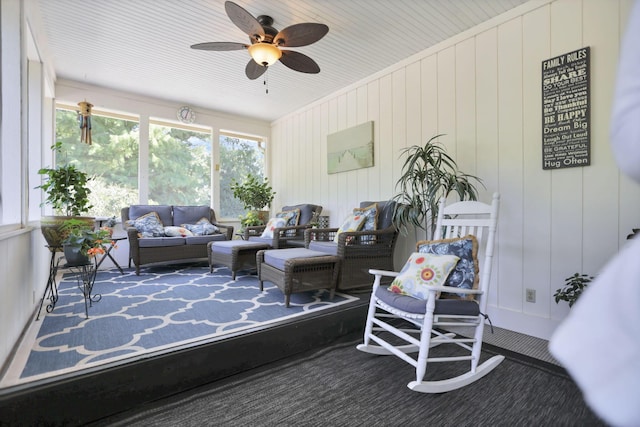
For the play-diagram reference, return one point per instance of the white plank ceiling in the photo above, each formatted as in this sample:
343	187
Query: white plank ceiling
142	46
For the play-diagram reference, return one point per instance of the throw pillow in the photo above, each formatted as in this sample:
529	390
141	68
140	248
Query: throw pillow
353	222
293	218
201	228
371	221
173	231
371	216
148	225
271	226
465	275
421	271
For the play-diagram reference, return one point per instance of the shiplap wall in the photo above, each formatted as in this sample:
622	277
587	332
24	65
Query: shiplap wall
483	90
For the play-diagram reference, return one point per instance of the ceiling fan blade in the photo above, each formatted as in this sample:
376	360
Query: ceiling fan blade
299	62
245	21
300	34
253	70
219	46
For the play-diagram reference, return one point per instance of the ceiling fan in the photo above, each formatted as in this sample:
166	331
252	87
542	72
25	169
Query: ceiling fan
266	42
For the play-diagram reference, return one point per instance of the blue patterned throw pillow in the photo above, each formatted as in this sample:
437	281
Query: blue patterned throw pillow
371	221
465	274
148	225
201	228
292	217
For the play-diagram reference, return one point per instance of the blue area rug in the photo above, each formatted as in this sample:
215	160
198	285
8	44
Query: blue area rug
163	307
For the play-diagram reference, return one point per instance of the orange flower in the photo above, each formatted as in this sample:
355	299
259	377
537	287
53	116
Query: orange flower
427	274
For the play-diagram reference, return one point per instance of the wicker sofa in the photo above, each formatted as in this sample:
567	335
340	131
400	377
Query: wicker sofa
157	247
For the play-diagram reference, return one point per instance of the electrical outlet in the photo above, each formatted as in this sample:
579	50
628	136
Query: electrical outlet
531	295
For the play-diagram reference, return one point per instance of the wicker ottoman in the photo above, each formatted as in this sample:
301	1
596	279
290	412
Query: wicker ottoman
235	254
298	270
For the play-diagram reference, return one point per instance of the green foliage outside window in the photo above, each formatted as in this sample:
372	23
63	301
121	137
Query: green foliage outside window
112	159
180	164
238	159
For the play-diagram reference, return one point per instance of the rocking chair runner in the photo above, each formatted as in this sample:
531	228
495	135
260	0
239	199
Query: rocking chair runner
430	317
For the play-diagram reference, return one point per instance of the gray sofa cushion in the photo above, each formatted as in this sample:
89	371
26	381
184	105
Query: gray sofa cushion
200	240
190	214
158	242
163	211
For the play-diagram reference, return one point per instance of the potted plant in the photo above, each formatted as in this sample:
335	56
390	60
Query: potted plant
573	288
255	194
82	241
250	219
428	174
68	194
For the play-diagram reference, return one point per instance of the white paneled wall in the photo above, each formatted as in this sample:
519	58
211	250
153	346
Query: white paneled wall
483	90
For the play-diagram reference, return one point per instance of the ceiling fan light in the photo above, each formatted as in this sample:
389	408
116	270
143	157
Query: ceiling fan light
265	54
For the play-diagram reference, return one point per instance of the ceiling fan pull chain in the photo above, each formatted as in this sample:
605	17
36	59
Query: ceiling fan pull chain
266	81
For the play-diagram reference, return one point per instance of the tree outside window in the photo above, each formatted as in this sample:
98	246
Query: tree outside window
180	163
112	159
238	158
179	166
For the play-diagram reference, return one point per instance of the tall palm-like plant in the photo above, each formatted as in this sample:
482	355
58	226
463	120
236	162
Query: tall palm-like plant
428	174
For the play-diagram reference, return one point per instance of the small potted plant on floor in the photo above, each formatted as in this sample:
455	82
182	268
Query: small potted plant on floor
255	194
573	288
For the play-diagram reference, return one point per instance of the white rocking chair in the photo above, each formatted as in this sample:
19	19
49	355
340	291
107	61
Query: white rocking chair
433	318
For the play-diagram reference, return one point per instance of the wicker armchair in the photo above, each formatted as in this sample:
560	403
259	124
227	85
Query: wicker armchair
359	251
290	236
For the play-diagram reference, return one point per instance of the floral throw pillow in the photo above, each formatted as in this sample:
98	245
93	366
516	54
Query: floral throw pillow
465	275
353	222
421	271
148	225
272	225
173	231
202	227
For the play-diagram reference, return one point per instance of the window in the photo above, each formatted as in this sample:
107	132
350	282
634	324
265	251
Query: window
112	158
179	166
239	156
179	162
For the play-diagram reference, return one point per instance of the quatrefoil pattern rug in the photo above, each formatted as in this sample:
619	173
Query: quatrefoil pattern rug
162	308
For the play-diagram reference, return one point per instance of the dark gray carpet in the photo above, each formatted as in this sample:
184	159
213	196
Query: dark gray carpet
340	386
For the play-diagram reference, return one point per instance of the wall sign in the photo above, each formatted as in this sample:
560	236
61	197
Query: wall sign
565	111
